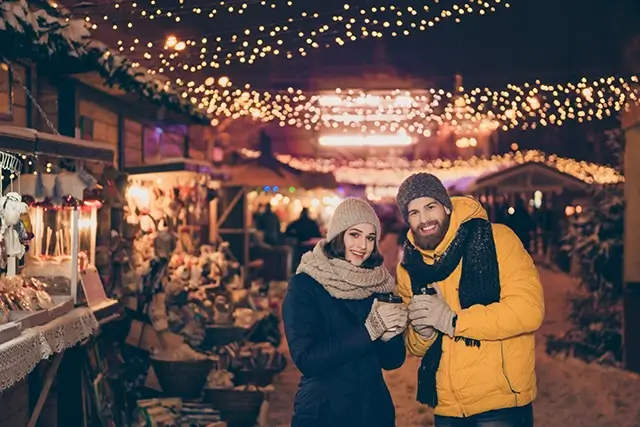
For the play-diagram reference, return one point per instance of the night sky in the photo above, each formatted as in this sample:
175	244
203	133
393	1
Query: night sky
555	41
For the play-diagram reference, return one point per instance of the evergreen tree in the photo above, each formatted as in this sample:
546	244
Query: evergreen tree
595	239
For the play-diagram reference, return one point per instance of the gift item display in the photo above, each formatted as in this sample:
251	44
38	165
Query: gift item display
64	227
179	199
173	412
216	337
197	293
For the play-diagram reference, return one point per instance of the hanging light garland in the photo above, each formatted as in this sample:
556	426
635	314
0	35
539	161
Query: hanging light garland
296	34
464	112
391	172
529	105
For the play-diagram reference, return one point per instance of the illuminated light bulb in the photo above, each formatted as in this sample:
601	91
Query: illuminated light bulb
171	41
395	140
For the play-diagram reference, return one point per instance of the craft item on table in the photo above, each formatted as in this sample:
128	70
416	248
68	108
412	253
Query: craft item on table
164	243
23	228
56	271
4	312
20	294
181	352
222	311
244	317
188	321
220	379
267	330
11	209
234	282
172	412
258	357
158	312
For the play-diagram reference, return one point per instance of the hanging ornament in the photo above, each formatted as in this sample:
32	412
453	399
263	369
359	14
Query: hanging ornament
69	201
29	199
11	209
46	203
25	220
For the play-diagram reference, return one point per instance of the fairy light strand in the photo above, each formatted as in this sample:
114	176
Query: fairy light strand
382	172
295	35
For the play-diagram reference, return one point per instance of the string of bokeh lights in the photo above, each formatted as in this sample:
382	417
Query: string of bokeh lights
528	105
390	172
290	36
481	109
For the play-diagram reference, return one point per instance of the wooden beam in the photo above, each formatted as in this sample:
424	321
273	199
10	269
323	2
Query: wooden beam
46	387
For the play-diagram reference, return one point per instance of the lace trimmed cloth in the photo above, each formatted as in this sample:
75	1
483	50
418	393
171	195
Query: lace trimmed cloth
20	356
68	330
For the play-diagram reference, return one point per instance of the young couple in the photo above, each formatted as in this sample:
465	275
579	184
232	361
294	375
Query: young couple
471	301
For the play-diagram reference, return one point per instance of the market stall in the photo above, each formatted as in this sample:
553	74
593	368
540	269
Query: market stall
251	178
192	316
194	319
38	320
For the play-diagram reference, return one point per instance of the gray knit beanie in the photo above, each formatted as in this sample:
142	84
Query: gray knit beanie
421	185
351	212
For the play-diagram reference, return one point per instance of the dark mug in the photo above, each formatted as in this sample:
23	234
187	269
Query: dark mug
388	298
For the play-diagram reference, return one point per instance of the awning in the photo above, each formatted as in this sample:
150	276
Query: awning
530	176
30	141
256	173
177	164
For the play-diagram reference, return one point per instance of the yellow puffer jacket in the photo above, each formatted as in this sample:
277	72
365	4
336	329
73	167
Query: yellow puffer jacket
501	372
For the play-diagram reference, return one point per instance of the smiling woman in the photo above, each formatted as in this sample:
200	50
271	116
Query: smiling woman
340	336
356	245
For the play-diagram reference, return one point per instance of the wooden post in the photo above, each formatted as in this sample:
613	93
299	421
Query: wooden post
631	322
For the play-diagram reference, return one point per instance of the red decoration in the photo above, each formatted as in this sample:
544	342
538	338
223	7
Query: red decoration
69	201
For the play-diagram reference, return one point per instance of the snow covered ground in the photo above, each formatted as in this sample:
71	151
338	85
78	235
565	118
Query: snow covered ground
571	393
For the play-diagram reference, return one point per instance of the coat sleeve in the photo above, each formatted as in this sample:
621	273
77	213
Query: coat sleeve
521	306
416	345
391	354
313	351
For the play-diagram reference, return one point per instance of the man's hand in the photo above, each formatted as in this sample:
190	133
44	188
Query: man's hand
431	311
400	327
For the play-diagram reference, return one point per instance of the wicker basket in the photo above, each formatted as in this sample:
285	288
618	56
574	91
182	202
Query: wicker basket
258	377
184	378
239	408
218	336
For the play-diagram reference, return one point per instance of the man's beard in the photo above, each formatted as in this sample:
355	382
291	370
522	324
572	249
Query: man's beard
429	243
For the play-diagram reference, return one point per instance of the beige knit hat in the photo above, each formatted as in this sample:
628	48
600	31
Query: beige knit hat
351	212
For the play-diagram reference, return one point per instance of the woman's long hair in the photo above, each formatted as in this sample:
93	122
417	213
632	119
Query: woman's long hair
336	249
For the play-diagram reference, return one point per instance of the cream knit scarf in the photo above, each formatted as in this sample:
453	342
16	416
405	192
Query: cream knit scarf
342	279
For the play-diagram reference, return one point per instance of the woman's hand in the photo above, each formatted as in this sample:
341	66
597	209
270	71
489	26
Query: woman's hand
385	317
394	332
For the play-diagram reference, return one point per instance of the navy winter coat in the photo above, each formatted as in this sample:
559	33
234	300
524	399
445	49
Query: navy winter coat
342	383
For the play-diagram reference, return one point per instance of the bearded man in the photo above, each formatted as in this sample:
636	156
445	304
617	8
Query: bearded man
475	301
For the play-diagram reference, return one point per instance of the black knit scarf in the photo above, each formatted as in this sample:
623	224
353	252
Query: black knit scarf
479	284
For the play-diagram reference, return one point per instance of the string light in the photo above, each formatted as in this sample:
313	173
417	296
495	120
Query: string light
383	172
538	104
297	34
481	110
462	113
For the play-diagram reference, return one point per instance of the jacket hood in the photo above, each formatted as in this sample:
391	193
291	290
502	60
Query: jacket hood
464	209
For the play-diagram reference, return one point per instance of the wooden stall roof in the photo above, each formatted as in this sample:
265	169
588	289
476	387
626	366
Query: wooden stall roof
30	141
527	177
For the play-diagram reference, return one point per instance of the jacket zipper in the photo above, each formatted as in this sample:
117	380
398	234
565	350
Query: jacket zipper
504	372
455	391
